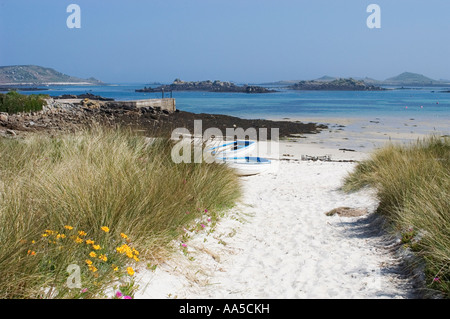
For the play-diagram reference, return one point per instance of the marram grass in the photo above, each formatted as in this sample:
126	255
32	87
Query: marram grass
101	199
413	186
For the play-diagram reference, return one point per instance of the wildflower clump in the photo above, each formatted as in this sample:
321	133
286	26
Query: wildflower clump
104	258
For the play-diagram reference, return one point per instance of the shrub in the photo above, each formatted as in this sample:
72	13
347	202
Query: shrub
13	102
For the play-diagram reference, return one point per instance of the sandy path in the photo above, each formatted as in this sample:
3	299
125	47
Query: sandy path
278	243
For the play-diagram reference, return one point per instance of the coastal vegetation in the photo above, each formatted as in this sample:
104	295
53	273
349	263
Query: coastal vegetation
13	102
103	201
412	185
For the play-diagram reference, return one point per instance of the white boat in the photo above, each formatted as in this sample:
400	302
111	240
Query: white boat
248	165
232	149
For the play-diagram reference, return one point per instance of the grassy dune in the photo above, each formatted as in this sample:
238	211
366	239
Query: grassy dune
413	186
102	199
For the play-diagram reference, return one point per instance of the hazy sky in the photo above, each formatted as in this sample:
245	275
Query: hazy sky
234	40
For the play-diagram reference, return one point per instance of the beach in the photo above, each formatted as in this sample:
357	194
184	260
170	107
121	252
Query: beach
278	242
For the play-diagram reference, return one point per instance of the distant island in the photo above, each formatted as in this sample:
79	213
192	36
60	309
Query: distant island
335	85
209	86
402	80
412	79
33	75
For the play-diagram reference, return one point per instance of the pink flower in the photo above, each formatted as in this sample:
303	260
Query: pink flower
203	226
84	290
206	211
209	219
119	294
127	297
184	245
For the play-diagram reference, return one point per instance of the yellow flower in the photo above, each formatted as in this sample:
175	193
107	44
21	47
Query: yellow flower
92	268
33	242
105	229
123	236
89	262
115	268
130	271
90	242
31	252
81	233
68	227
103	257
92	254
135	258
123	249
96	247
78	240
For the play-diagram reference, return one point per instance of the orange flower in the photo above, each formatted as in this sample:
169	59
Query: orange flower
130	271
105	229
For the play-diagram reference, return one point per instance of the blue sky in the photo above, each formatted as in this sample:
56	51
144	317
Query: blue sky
235	40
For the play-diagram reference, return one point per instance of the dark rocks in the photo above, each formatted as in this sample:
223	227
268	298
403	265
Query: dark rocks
88	95
209	86
335	85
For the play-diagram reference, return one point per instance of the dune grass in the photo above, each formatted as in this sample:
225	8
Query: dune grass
101	199
413	186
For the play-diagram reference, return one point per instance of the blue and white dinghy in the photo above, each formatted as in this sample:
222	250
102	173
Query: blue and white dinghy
247	165
232	149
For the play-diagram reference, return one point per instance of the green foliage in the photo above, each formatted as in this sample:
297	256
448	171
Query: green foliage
413	186
13	102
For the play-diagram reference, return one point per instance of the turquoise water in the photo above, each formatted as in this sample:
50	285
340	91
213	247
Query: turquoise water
420	103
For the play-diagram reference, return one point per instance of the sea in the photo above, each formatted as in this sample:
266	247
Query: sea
393	106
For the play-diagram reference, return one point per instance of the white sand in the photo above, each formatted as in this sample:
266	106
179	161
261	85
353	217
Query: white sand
278	242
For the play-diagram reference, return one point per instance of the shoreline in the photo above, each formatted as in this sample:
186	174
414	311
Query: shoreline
366	133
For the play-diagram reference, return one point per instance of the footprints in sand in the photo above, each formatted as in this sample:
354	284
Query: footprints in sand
289	248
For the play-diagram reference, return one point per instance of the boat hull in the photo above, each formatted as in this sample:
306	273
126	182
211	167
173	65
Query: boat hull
246	166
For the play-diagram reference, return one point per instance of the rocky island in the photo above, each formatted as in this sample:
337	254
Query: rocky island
209	86
335	85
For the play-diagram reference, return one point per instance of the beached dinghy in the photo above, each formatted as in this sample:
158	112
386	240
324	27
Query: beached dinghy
232	149
248	165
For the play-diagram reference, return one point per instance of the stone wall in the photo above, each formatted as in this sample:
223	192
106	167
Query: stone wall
168	104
